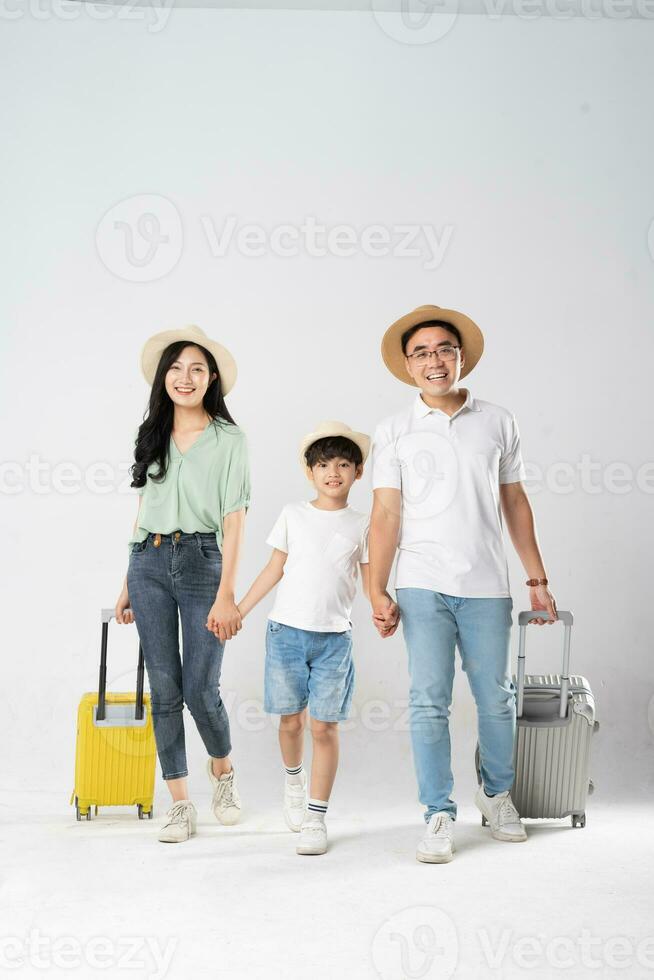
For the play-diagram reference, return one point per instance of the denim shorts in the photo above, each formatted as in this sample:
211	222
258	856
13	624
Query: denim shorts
305	667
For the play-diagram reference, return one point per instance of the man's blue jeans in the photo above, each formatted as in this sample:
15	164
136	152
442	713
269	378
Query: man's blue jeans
433	624
179	580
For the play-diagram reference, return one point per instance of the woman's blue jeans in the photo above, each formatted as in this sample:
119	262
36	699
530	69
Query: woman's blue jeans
179	580
433	624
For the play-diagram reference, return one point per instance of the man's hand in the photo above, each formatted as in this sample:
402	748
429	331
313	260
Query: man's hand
385	614
224	619
541	598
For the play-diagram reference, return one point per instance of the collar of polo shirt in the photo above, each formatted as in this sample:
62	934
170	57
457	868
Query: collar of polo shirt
421	408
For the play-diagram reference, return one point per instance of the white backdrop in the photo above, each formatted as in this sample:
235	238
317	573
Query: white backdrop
520	154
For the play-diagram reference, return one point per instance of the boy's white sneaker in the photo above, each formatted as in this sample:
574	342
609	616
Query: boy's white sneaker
313	837
226	803
295	802
437	846
181	823
501	815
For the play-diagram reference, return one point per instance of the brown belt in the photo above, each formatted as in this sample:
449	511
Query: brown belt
156	541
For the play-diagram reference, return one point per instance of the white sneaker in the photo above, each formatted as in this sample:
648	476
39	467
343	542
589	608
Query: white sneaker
295	802
437	846
501	815
313	837
226	803
180	824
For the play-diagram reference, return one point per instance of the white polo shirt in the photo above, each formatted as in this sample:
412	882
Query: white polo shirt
449	470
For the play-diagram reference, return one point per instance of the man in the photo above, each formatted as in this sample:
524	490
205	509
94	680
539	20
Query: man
444	470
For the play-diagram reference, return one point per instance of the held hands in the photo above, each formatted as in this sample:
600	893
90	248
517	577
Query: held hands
123	611
224	619
541	598
385	614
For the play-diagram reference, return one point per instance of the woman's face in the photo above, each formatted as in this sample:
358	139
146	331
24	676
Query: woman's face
188	378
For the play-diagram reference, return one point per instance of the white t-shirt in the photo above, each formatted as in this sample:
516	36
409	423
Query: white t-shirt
320	575
449	471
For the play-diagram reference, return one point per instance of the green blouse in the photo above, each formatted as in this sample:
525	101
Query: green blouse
204	484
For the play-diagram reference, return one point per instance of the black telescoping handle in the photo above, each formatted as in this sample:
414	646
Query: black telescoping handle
107	616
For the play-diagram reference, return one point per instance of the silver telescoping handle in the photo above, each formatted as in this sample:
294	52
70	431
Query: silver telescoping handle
523	619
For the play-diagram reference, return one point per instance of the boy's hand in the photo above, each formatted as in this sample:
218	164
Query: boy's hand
385	631
385	614
224	619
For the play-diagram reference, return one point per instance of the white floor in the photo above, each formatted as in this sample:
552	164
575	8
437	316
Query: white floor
104	898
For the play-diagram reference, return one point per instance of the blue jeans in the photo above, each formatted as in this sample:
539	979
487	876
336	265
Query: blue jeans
180	578
433	623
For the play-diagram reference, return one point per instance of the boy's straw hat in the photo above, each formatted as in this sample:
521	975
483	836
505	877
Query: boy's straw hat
327	429
156	345
472	339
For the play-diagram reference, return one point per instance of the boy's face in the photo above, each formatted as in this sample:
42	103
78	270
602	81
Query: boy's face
334	477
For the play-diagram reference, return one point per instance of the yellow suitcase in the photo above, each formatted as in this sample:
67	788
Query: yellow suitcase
116	752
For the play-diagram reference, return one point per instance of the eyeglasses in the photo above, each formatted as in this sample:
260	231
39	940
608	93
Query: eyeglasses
446	353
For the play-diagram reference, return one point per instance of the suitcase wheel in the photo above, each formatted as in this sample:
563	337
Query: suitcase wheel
578	819
78	812
144	813
484	821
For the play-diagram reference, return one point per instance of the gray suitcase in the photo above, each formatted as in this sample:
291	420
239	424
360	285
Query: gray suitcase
555	725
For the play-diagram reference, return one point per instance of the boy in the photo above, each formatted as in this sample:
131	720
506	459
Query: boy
316	547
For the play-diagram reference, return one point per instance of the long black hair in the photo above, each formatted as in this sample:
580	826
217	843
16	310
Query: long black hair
153	438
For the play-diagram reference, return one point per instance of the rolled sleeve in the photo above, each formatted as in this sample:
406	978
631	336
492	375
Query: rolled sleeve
386	469
237	485
512	467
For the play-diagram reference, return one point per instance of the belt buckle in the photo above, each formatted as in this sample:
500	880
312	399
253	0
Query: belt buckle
178	535
157	540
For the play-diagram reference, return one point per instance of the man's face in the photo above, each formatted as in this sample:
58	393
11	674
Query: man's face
435	375
334	477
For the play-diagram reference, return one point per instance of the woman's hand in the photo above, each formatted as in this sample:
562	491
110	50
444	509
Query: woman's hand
224	619
123	611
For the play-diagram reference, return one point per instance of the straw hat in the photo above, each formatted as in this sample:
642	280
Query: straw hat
156	345
472	339
327	429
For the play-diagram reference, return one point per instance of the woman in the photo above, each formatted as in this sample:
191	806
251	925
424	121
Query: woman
191	471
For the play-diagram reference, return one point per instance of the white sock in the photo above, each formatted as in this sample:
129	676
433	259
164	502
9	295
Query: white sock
294	774
317	809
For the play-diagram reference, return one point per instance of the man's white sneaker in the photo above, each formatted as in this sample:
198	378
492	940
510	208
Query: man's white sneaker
313	837
226	803
181	823
295	802
437	846
501	815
